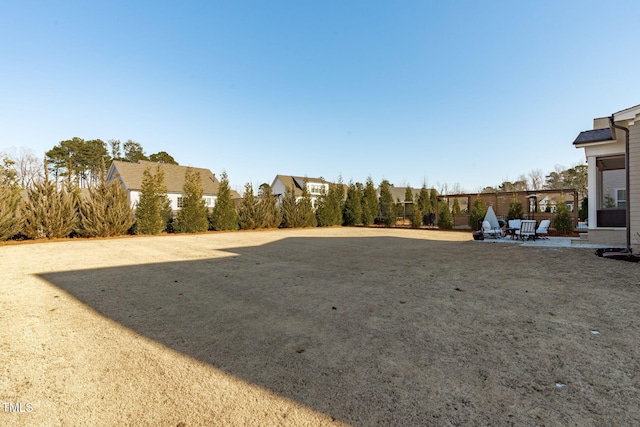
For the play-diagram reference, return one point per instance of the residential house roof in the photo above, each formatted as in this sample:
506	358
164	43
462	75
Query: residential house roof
607	133
627	113
131	175
398	193
297	182
597	135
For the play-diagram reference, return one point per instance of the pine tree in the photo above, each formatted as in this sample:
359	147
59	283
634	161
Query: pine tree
329	210
424	202
193	216
353	204
322	209
224	216
73	190
370	206
433	198
408	194
106	212
515	209
387	206
413	208
49	211
269	211
249	214
336	196
304	207
563	223
478	212
153	209
10	211
445	218
290	217
408	203
416	215
423	199
455	209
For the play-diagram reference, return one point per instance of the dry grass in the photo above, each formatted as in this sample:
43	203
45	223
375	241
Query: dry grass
317	327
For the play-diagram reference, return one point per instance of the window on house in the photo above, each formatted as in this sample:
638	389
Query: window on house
621	198
180	202
315	189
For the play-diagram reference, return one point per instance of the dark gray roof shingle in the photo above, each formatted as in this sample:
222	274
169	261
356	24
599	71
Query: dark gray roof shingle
596	135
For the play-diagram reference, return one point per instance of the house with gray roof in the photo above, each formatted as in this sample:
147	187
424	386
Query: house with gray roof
614	191
315	187
130	176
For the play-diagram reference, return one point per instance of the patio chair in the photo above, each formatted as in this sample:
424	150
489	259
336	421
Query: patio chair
543	229
527	229
488	231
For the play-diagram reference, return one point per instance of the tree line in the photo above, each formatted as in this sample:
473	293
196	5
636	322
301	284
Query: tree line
82	161
48	203
57	208
575	178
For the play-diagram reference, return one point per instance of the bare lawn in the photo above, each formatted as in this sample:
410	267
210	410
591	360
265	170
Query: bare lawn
357	326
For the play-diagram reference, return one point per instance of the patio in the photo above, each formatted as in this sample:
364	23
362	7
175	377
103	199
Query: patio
552	242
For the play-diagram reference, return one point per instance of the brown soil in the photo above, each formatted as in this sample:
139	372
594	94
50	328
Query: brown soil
316	327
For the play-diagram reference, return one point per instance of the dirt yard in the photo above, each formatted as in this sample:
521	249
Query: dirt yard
316	327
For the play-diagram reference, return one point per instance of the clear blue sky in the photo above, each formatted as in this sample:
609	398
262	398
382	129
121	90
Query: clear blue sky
466	92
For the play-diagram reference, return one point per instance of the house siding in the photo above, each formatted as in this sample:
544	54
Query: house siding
278	186
634	185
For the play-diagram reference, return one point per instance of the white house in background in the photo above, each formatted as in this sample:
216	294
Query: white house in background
609	197
130	175
315	187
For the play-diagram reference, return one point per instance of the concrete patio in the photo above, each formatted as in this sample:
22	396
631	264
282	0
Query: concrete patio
552	242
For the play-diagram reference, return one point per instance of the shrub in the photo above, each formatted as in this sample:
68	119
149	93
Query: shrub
290	214
224	216
353	205
193	216
153	209
515	210
305	209
106	212
563	223
269	211
424	201
10	215
416	216
49	211
445	218
249	211
370	206
329	209
477	214
387	207
456	207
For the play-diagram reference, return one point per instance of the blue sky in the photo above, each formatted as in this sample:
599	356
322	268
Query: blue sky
465	93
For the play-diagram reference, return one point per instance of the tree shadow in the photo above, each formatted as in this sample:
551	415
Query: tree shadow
351	327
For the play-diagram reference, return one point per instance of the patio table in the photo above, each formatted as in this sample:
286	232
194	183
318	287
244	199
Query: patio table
511	231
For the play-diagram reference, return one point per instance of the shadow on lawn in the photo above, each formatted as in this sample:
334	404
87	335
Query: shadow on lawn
352	327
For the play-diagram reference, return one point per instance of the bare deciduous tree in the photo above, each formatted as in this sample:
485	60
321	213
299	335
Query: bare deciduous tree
27	165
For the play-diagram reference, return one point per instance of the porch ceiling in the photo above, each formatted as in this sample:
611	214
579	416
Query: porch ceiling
610	163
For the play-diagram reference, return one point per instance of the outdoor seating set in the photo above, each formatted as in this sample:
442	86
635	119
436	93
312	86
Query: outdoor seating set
521	229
